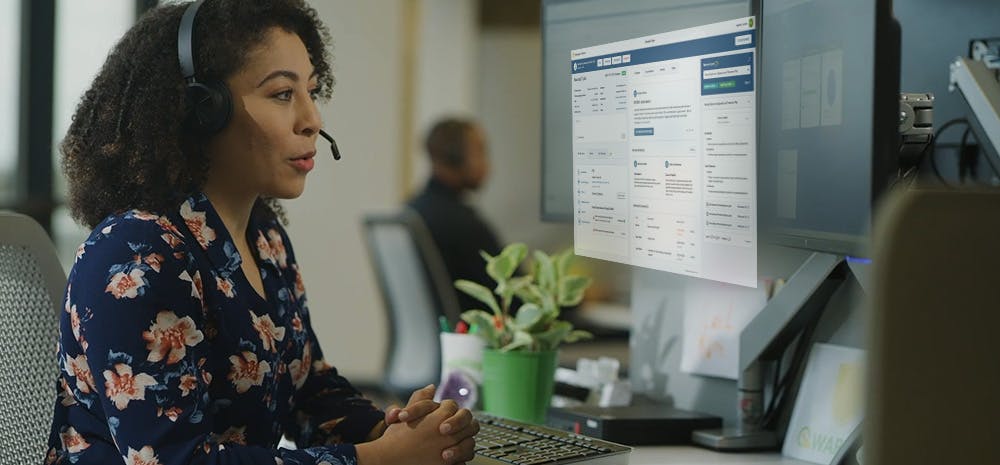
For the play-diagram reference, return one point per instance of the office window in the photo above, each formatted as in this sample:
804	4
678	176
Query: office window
10	79
85	33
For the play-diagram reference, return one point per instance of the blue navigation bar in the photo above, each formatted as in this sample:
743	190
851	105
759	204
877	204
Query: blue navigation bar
690	48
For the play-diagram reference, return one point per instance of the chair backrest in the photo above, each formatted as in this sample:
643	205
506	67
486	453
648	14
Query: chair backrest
416	290
934	375
31	288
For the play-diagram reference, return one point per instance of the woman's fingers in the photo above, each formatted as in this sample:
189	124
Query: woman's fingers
424	393
419	397
392	414
460	421
462	452
417	410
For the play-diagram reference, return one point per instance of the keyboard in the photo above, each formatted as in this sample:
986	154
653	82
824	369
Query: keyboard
508	442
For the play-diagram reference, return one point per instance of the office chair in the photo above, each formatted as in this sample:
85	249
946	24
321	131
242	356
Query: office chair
416	289
934	372
31	288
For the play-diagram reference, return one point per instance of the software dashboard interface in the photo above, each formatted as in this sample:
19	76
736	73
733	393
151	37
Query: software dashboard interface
664	151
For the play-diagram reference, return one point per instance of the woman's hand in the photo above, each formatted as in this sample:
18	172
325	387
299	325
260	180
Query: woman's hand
461	425
421	441
421	403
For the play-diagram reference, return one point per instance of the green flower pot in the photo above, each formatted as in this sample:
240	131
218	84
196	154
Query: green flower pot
518	385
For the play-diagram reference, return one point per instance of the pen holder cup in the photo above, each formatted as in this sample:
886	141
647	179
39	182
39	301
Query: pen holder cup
461	369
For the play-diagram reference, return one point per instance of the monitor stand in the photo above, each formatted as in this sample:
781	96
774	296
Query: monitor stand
798	305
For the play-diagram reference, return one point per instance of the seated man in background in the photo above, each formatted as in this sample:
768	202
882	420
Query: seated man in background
459	165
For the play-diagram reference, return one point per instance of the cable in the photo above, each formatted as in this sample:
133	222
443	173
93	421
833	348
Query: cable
798	355
933	153
967	162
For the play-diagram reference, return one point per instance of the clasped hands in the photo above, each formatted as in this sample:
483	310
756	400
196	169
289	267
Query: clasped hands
423	432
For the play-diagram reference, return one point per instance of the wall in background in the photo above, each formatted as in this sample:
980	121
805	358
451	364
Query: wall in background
399	65
364	117
510	90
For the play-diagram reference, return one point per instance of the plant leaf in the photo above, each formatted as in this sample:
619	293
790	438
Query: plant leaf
571	290
563	260
521	339
546	272
550	338
528	316
503	266
484	325
577	335
478	292
530	293
512	288
486	257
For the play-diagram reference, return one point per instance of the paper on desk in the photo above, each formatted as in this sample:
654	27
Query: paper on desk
714	315
829	404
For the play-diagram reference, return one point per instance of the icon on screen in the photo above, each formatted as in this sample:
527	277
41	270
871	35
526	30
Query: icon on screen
750	23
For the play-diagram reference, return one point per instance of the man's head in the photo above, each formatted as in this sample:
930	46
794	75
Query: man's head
457	148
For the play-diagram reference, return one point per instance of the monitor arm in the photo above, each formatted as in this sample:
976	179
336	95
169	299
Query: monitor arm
978	80
798	305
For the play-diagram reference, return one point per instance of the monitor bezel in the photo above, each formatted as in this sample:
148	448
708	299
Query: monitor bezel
885	136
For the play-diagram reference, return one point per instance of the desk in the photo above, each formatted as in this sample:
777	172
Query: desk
684	455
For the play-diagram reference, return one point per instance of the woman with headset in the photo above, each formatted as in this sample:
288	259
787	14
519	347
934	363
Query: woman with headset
186	337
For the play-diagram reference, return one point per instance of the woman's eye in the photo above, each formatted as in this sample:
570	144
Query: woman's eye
285	95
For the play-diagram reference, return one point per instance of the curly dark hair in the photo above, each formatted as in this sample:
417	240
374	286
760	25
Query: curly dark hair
128	146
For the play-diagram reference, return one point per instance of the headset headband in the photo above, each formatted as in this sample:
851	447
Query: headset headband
185	37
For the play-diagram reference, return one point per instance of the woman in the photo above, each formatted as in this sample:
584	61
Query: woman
186	337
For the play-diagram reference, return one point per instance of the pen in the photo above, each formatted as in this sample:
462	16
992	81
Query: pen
443	322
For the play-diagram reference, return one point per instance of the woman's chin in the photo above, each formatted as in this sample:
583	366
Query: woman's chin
288	191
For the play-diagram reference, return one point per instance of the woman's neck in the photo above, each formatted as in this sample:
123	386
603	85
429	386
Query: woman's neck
233	210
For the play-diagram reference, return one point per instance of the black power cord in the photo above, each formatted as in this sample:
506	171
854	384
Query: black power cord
937	136
967	155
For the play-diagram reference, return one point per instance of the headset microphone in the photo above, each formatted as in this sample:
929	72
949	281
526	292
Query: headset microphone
333	144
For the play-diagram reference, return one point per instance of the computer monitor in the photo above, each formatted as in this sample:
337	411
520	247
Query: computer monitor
664	151
574	24
829	106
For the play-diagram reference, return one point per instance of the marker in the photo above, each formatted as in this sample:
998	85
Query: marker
461	327
473	329
443	322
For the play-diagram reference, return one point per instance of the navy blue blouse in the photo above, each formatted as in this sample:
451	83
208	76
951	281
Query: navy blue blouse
169	356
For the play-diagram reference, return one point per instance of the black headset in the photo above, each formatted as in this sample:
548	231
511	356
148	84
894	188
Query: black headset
209	103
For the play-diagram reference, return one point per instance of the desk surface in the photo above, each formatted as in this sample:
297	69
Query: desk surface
683	455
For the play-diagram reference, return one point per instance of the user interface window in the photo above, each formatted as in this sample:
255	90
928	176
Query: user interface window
664	151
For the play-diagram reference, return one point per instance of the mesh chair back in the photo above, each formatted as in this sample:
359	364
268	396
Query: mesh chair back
416	290
31	287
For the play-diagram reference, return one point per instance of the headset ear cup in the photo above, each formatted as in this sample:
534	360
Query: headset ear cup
210	105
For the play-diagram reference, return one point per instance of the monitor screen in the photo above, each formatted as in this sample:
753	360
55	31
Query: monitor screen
573	24
664	151
823	121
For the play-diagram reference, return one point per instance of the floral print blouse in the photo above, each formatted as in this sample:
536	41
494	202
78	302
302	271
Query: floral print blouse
169	356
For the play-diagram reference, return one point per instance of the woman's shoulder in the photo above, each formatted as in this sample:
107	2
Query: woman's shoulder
130	234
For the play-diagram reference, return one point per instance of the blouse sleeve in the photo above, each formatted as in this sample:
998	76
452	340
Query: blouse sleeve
328	409
137	322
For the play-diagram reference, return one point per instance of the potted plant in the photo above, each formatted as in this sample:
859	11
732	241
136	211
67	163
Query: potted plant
521	344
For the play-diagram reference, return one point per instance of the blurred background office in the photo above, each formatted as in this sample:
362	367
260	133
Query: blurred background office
400	65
